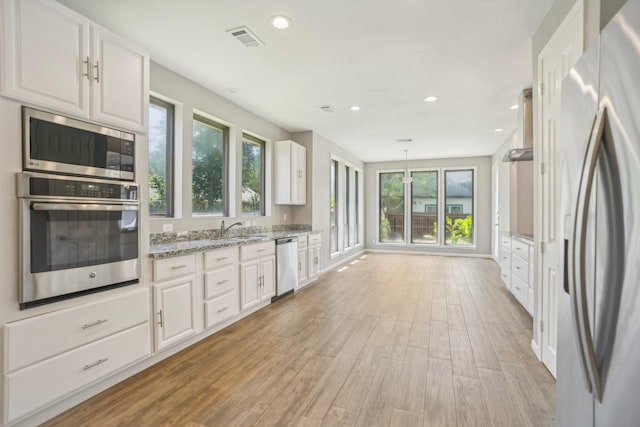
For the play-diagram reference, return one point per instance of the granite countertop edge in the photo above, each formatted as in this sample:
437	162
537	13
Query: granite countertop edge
168	250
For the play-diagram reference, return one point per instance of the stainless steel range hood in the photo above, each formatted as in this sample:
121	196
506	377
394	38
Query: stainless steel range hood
524	150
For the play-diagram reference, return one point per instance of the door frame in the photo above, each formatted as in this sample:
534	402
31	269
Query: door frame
540	296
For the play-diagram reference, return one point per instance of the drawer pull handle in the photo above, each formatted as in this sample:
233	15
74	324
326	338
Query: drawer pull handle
518	287
261	250
222	258
222	282
223	309
94	364
517	268
177	267
96	323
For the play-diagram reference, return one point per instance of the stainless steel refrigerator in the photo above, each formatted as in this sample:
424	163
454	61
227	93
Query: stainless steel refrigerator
598	359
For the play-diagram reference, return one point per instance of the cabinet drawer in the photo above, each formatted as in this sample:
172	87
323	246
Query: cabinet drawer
42	383
221	308
173	267
219	281
315	239
257	250
520	268
302	241
220	257
521	249
505	258
38	338
506	241
520	290
506	277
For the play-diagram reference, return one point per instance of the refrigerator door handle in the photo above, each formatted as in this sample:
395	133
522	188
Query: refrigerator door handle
579	297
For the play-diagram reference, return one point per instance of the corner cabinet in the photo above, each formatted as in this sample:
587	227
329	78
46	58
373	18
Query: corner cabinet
174	299
55	58
257	274
290	173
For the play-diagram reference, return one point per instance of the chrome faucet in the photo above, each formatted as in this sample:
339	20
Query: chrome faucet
223	231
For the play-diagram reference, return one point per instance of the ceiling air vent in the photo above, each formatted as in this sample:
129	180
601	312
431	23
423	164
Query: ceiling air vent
328	108
246	37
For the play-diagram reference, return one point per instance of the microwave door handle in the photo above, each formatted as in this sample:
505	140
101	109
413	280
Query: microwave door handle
82	207
579	252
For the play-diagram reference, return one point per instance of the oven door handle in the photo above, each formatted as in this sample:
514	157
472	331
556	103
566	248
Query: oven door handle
82	207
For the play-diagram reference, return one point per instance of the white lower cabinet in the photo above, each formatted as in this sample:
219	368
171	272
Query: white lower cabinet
221	289
53	355
312	259
516	262
37	385
174	300
257	273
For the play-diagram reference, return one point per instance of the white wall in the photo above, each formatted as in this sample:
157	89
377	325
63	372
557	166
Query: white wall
319	192
482	215
192	96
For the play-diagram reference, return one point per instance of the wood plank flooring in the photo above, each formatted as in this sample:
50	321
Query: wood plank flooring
392	340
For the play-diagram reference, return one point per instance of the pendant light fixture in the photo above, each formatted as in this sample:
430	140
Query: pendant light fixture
407	179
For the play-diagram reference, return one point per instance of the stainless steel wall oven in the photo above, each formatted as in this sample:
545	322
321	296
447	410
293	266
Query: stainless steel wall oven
78	235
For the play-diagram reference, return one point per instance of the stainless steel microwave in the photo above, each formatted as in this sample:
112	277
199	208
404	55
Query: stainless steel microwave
58	144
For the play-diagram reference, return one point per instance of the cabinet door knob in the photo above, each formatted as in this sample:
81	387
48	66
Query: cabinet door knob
97	67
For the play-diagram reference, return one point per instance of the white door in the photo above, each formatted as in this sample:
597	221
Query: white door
174	311
249	283
45	49
268	269
554	62
120	76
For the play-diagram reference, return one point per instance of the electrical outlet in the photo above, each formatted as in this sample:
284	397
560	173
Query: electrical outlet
285	216
247	223
167	228
254	223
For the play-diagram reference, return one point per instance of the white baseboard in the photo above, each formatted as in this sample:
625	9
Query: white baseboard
536	349
450	254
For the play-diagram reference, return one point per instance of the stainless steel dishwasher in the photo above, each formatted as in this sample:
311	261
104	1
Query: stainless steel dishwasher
287	265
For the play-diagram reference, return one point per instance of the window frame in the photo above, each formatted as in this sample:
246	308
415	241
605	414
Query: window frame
441	208
336	205
226	148
409	219
246	136
170	180
474	204
378	208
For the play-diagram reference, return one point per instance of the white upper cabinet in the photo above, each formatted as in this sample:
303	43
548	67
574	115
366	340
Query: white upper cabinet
56	59
291	173
120	80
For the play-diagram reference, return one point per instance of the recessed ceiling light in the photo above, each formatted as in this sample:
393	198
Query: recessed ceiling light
431	98
514	107
355	108
499	129
280	22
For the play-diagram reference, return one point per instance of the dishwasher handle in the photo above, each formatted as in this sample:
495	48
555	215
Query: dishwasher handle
285	240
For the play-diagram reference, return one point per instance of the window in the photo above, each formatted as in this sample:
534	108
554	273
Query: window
356	222
347	207
252	175
391	207
424	207
334	206
209	174
459	207
161	117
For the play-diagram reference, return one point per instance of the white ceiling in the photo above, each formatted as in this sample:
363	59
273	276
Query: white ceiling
383	55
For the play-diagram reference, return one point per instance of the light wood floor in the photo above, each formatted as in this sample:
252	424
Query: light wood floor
393	340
